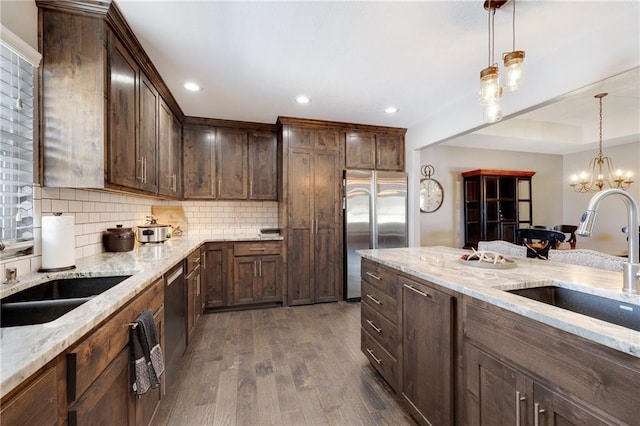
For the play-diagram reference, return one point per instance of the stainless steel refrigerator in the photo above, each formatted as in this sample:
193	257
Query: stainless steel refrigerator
375	216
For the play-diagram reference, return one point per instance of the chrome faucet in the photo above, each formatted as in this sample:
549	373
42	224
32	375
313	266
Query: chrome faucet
631	269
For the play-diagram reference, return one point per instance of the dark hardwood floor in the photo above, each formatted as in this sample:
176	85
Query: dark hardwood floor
291	366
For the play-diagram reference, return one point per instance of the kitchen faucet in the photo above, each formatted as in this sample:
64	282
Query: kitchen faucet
631	270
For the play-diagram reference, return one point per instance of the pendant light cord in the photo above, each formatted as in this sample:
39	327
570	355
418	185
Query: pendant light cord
600	126
514	26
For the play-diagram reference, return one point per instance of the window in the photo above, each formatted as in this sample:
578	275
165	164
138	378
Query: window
16	145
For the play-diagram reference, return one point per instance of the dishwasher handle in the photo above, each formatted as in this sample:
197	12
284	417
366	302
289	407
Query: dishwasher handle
173	277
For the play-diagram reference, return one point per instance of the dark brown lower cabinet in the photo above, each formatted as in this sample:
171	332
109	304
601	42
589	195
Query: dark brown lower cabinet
519	371
427	353
503	395
109	399
37	404
256	279
214	274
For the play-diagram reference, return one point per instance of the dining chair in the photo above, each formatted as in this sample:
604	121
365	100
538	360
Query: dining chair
591	258
503	247
538	241
568	229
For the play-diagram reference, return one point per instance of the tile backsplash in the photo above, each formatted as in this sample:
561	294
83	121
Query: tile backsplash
95	211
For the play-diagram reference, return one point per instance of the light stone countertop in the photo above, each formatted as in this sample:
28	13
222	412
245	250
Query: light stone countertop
25	349
441	266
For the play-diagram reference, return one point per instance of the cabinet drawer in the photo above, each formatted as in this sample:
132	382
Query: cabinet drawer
384	279
380	302
385	333
193	261
89	359
256	248
35	405
381	360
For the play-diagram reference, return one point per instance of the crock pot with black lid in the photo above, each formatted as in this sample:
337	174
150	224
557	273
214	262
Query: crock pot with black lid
118	239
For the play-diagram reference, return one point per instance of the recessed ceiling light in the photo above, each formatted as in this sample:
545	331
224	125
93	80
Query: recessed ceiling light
391	110
303	99
190	85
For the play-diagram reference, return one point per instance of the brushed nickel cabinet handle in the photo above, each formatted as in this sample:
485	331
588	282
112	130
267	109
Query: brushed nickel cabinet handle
313	221
378	330
255	269
159	311
257	249
203	255
140	178
317	220
219	186
536	414
376	359
519	400
375	277
175	182
421	293
374	300
260	268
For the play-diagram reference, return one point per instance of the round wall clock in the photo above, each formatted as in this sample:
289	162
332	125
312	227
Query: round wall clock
431	192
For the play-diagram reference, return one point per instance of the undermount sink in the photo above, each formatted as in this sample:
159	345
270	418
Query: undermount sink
609	310
50	300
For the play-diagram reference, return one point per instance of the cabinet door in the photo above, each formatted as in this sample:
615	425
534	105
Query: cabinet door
168	152
124	166
300	236
176	132
496	393
199	162
245	280
109	399
269	270
231	165
427	350
390	152
36	405
214	275
148	138
327	205
263	166
360	151
146	405
550	409
191	305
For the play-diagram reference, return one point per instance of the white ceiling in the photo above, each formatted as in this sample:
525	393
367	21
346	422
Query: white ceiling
353	59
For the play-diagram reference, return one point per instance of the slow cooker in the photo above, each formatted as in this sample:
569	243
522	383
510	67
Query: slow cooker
153	233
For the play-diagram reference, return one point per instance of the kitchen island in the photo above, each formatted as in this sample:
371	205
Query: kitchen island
462	349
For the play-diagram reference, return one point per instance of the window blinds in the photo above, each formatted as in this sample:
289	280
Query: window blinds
16	148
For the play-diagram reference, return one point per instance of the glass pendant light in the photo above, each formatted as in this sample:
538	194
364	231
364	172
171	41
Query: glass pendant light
513	61
490	90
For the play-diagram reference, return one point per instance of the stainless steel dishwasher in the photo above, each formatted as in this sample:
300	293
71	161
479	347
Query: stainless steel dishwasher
175	336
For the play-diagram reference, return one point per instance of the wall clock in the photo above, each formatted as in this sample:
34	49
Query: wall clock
431	192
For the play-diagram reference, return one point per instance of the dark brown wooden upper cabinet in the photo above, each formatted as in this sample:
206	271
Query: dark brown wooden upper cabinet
229	163
263	165
124	167
361	150
390	152
199	161
147	148
169	153
374	151
100	101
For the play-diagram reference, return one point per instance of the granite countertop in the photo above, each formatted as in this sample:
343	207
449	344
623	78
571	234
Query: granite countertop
25	349
441	266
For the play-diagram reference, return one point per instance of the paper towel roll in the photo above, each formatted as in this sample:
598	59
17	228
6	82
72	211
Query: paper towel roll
58	243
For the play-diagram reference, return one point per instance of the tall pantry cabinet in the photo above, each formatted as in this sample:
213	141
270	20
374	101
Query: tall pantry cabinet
310	209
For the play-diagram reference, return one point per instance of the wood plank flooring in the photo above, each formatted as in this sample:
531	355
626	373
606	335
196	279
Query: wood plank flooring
279	366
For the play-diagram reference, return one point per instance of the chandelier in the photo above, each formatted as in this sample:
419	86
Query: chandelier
601	167
490	88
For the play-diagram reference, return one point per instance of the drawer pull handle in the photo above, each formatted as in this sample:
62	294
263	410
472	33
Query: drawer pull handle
421	293
375	277
519	400
378	360
536	414
257	249
374	300
377	329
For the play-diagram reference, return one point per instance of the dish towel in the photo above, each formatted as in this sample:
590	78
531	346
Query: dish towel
147	353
